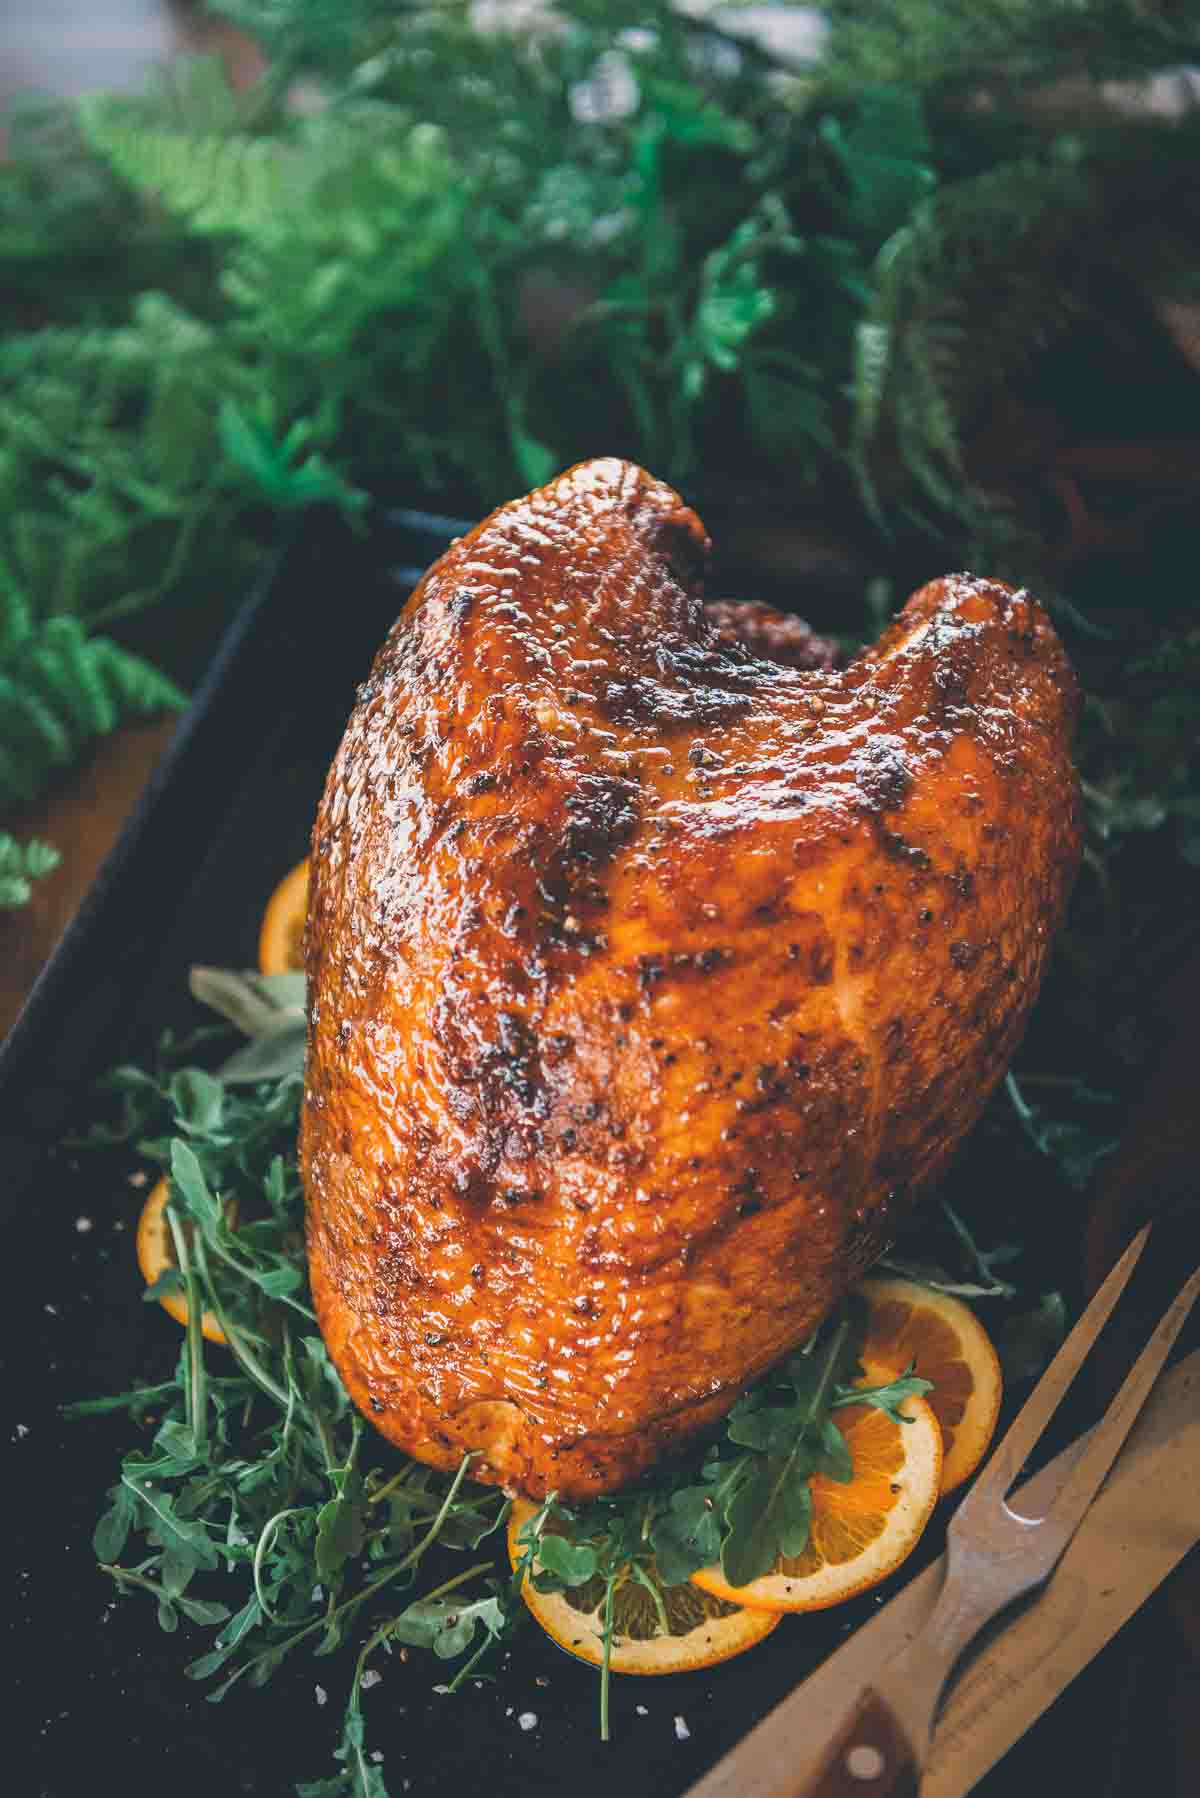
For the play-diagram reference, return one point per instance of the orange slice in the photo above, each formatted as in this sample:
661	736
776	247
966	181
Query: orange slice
281	937
862	1531
943	1338
156	1253
700	1629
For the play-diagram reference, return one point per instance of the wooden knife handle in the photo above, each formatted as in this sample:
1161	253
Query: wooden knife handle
872	1758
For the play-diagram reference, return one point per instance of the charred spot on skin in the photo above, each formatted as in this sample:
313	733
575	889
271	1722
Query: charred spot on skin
898	847
884	776
963	882
516	1195
964	955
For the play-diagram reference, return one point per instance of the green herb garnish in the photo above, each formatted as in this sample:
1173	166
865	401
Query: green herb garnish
259	1466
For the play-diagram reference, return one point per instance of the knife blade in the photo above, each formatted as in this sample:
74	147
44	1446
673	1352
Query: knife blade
1140	1526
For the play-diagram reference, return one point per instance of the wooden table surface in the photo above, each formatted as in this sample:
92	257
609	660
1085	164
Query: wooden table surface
82	816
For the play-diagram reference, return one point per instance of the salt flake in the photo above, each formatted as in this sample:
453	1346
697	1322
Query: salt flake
528	1719
682	1731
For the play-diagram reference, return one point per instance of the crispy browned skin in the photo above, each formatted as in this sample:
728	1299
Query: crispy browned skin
652	981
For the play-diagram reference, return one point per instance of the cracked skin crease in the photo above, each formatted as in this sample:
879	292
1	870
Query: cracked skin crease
652	979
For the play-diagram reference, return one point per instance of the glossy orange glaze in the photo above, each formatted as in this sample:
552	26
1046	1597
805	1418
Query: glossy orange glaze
651	981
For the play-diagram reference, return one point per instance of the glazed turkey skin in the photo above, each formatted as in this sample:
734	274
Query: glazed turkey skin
653	975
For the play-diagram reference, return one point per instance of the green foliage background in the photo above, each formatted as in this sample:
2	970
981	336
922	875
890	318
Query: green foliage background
414	260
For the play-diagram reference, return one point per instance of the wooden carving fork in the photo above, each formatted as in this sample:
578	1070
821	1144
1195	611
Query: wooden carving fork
992	1557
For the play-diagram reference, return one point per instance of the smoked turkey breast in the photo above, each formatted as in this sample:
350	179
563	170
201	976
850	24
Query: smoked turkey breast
652	976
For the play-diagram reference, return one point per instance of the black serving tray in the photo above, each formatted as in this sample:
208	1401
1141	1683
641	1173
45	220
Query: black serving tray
95	1694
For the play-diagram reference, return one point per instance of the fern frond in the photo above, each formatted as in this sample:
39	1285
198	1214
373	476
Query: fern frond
60	689
985	275
20	865
110	455
221	184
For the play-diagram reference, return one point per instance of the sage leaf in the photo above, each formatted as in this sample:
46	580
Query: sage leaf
279	1050
252	1002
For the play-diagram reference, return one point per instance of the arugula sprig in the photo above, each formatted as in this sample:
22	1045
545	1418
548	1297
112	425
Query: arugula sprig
752	1500
263	1471
745	1500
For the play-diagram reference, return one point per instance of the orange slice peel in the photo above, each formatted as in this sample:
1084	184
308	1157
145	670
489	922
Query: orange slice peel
702	1630
156	1254
281	935
941	1337
860	1532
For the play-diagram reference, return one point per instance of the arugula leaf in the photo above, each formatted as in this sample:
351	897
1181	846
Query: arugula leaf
687	1534
572	1563
198	1101
770	1510
768	1516
888	1398
341	1524
447	1626
187	1178
112	1531
835	1462
166	1528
